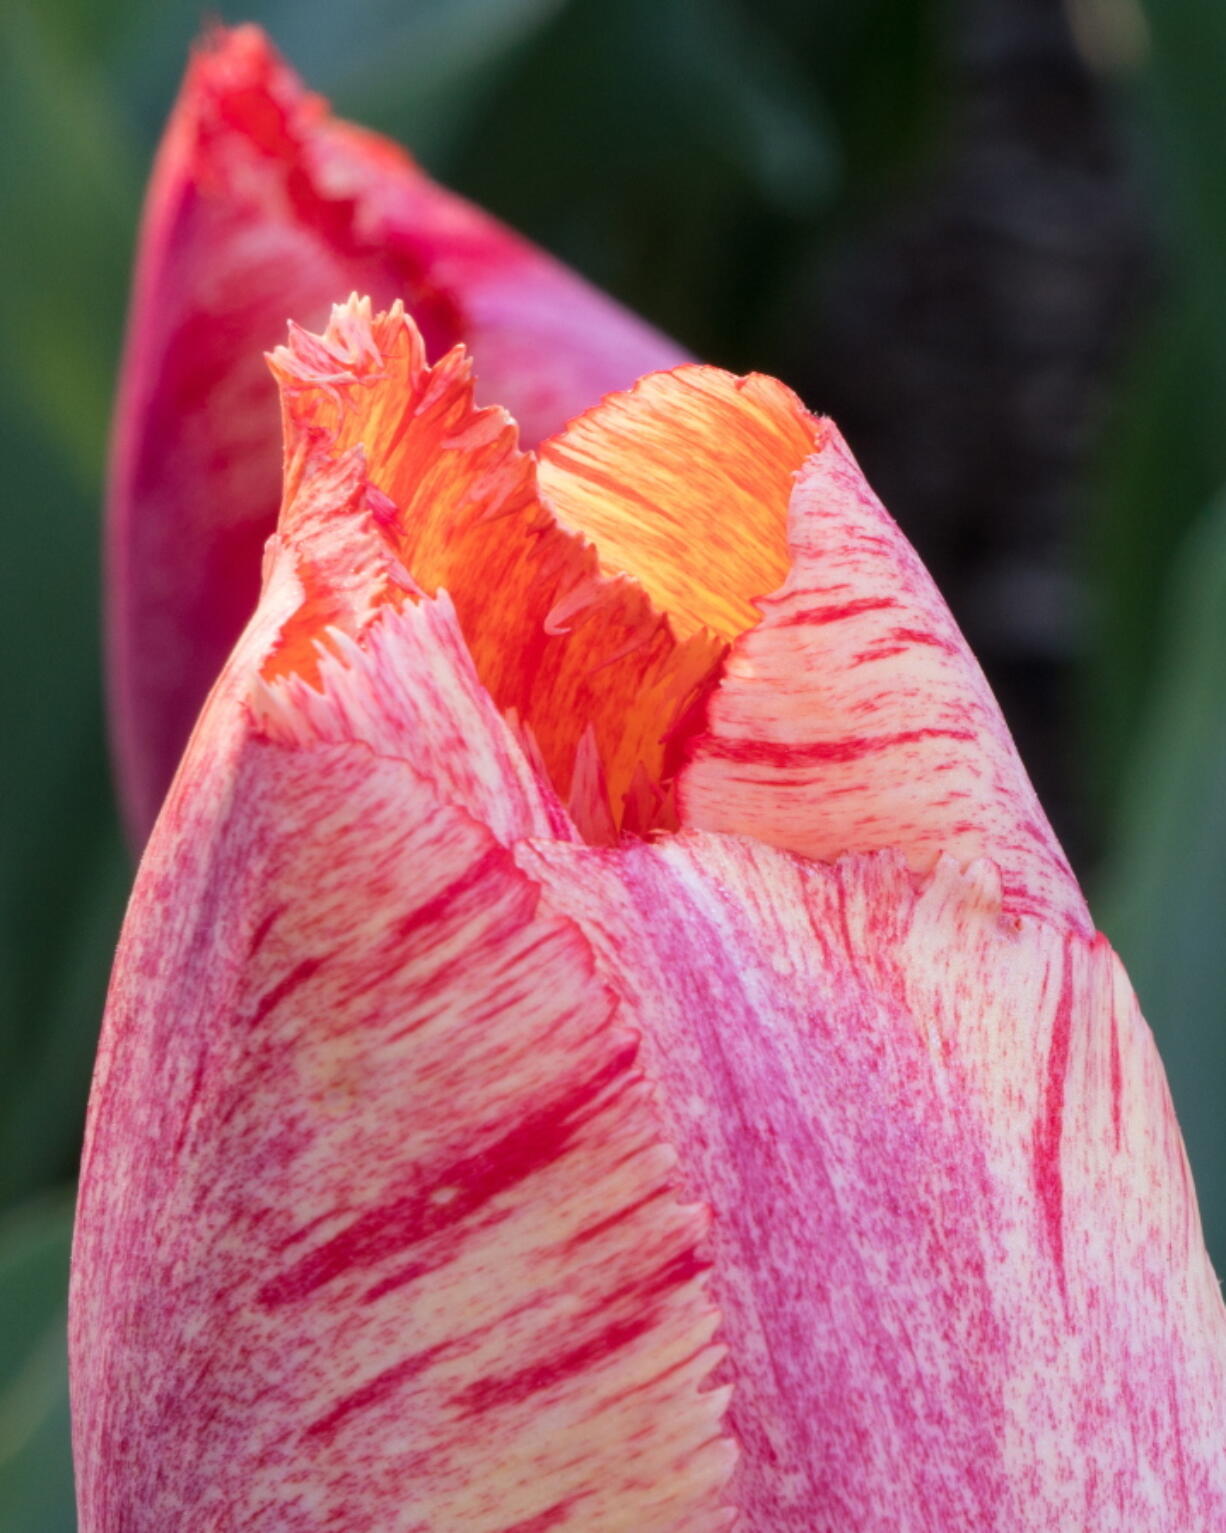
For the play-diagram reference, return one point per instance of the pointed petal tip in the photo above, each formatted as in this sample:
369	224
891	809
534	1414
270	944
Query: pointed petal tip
350	349
854	716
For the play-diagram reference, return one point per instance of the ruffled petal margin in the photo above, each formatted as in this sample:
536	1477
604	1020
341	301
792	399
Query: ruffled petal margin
577	653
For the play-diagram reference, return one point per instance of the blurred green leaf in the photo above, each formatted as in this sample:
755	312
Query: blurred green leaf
748	100
1161	464
1163	898
36	1491
61	970
71	191
877	68
1188	47
1156	683
1166	454
415	70
1158	680
669	149
66	275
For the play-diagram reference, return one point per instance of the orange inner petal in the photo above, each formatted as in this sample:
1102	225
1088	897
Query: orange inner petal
683	482
604	658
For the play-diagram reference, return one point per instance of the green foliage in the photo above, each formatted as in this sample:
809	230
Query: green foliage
1157	681
61	887
706	148
1165	894
1166	457
35	1458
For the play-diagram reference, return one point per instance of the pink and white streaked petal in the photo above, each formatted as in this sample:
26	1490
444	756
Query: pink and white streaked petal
408	691
854	716
377	1227
954	1243
446	1171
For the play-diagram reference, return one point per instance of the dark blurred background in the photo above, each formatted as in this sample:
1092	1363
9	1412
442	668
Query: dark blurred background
989	236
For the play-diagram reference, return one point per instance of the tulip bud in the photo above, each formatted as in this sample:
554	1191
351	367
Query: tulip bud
263	207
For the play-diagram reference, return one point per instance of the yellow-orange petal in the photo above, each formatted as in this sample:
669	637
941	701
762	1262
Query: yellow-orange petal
570	647
683	482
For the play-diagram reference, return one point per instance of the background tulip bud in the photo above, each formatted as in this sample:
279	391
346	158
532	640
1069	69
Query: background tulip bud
263	207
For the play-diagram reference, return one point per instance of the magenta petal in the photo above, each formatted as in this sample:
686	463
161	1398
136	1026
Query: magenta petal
955	1245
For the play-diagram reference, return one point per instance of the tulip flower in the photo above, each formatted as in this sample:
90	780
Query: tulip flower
604	1036
262	207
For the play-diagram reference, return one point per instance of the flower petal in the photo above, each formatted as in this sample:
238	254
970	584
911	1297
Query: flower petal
850	714
262	206
683	482
377	1227
431	1148
955	1245
854	716
576	654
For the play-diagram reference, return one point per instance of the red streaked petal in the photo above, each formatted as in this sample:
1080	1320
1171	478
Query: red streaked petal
409	692
377	1227
431	1163
955	1245
262	206
854	716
